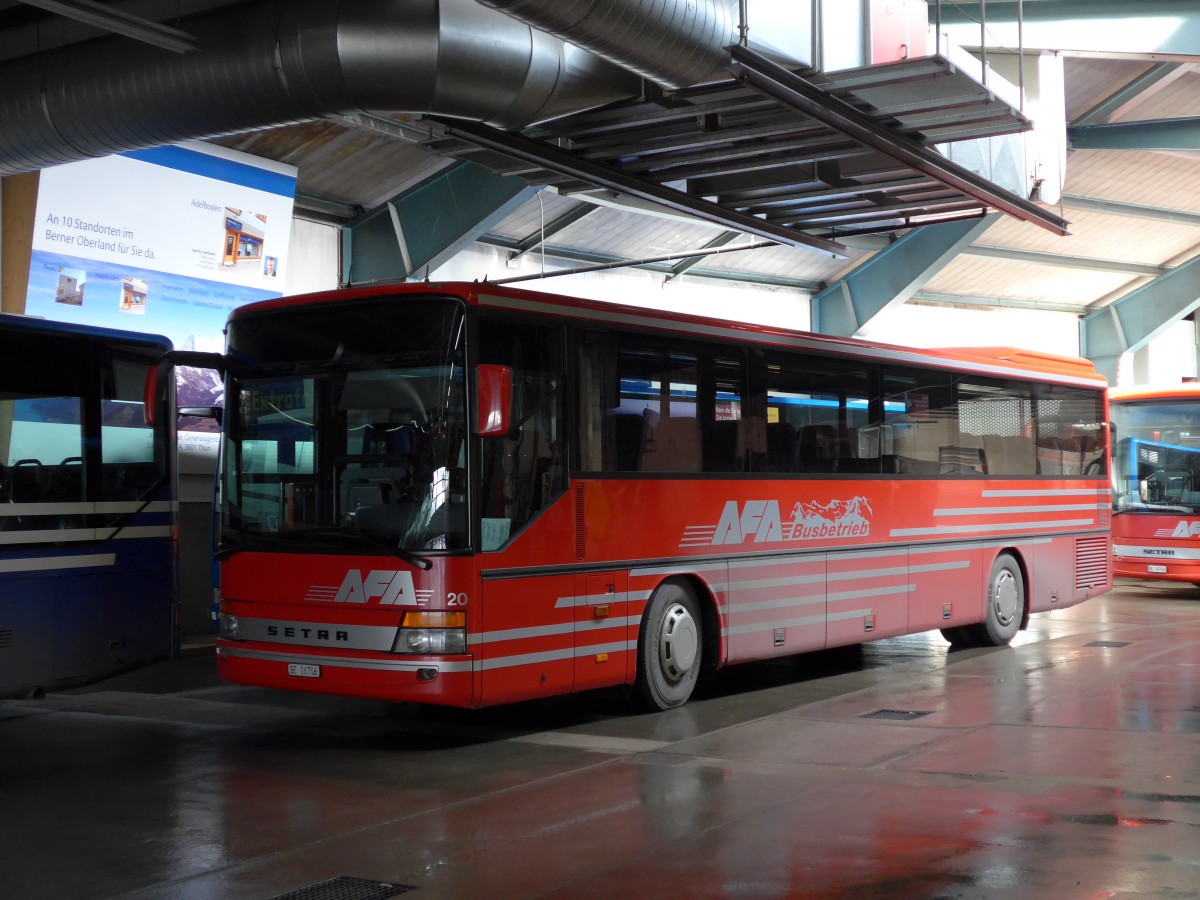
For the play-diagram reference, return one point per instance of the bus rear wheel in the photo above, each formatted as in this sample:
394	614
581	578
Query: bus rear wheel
1005	605
670	646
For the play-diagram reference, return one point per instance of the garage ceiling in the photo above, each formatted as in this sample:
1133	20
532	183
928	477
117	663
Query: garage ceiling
1133	213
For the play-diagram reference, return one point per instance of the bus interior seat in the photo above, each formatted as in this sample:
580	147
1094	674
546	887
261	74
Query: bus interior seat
672	445
818	448
28	481
625	437
782	447
722	450
65	481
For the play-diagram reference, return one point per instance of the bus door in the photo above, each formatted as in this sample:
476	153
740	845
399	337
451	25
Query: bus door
602	629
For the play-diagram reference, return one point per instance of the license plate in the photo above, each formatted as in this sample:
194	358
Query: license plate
304	670
1157	570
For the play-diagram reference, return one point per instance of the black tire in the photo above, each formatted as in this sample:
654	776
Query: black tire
957	637
1005	605
670	647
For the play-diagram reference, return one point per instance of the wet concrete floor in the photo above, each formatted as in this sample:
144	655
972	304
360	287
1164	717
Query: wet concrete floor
1067	765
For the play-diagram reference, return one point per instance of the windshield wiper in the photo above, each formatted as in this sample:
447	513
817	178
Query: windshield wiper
348	532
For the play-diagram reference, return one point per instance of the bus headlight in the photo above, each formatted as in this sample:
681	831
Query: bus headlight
228	625
432	632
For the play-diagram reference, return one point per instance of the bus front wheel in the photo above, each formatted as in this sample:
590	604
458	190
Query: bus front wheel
669	647
1005	605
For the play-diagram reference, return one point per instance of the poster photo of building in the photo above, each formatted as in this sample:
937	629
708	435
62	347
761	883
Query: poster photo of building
244	237
70	286
133	296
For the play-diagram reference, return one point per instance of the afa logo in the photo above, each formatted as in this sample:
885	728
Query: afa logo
761	521
392	588
1186	529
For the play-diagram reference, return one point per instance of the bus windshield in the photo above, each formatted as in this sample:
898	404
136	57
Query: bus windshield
347	429
1156	464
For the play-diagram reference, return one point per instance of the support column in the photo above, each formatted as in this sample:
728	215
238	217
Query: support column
18	206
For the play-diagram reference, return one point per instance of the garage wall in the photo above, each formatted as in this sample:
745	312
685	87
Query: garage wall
314	262
915	325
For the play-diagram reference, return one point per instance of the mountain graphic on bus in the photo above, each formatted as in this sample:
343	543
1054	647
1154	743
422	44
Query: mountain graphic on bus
837	518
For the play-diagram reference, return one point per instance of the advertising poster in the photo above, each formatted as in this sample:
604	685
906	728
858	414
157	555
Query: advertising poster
166	241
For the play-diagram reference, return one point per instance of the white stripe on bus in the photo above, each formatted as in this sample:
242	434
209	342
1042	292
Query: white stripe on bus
84	509
347	662
536	631
1008	510
45	563
797	623
77	535
1048	492
870	592
526	659
734	609
993	526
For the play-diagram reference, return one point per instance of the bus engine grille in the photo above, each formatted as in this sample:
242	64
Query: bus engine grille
1091	562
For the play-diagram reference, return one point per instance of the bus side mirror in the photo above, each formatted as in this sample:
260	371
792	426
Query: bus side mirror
150	396
493	390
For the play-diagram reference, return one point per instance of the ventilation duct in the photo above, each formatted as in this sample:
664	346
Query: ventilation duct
673	42
273	64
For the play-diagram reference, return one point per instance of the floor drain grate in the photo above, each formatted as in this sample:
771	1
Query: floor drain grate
1115	645
896	715
346	888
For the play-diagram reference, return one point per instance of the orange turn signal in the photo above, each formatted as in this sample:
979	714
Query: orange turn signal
434	620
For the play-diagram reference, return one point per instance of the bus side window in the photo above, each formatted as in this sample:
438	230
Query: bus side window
131	466
43	450
524	471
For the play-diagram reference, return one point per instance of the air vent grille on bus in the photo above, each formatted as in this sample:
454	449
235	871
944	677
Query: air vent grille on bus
1091	562
6	638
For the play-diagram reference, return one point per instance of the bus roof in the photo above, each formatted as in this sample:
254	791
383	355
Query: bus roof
991	360
1184	390
35	325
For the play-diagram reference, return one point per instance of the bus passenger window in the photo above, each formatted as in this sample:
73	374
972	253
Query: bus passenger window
131	467
42	451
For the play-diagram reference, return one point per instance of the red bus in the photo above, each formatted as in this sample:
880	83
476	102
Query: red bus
469	495
1156	482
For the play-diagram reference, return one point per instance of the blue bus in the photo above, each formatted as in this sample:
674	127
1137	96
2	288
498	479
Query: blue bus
87	509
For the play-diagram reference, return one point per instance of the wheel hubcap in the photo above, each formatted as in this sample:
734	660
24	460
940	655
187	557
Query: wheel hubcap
677	642
1005	598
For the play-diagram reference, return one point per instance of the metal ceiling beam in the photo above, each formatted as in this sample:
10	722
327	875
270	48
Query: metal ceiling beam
941	299
565	163
1089	263
1151	134
892	275
425	226
1114	101
107	18
792	90
551	228
1135	210
691	262
1140	316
